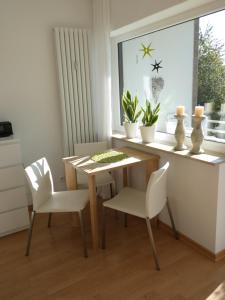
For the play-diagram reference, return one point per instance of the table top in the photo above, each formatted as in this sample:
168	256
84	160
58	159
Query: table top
90	167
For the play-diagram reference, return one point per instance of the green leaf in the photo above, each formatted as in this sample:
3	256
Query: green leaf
137	115
128	95
129	106
150	115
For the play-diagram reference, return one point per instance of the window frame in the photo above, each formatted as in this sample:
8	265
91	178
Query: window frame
170	17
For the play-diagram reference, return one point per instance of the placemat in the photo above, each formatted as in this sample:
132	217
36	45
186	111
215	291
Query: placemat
109	157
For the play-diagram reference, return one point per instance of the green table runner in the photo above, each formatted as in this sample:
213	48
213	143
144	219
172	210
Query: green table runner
109	157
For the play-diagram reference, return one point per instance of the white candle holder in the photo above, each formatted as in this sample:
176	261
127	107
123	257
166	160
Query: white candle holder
197	135
180	133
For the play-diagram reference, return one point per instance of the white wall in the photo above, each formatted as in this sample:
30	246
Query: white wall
29	95
127	11
220	228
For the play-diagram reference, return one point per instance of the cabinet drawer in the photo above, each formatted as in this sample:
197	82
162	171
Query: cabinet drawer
12	199
11	177
14	221
10	155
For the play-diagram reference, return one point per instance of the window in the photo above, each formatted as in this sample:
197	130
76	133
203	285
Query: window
179	65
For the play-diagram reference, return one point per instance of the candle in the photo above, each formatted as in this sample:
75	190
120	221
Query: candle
199	111
180	110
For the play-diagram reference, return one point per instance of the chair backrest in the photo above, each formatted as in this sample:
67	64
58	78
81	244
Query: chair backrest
90	148
40	181
156	195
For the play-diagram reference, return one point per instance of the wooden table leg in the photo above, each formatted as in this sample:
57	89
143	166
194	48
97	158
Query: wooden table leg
125	183
93	211
71	176
71	184
151	166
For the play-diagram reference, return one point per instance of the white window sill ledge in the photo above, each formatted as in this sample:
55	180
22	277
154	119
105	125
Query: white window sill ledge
207	157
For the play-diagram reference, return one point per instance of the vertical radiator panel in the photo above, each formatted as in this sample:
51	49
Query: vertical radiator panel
83	83
79	85
70	106
75	88
88	83
74	82
66	89
62	92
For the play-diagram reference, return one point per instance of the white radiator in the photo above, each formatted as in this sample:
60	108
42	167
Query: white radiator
75	91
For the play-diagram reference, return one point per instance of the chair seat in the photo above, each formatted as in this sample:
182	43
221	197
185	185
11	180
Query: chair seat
100	179
65	201
130	201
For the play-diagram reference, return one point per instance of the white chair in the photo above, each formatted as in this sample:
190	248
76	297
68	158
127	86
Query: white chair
144	205
102	179
45	200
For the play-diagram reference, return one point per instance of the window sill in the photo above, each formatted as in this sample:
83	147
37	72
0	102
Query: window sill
207	157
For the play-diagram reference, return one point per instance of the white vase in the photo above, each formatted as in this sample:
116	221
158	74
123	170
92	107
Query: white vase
209	107
148	133
131	129
222	109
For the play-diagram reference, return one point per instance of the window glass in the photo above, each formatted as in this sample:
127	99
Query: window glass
211	73
179	65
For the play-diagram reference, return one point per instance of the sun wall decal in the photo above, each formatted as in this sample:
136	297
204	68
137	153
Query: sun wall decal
146	50
156	66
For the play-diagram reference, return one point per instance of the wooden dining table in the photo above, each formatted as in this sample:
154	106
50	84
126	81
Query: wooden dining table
91	168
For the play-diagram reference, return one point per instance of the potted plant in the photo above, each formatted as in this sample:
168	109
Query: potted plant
149	120
131	114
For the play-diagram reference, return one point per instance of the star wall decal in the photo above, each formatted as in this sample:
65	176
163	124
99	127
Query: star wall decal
156	66
147	50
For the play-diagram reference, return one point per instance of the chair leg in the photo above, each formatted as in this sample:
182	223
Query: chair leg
116	215
153	244
157	221
172	221
112	194
111	191
125	220
49	219
83	233
30	233
103	226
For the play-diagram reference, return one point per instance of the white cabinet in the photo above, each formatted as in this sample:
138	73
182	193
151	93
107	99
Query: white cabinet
11	177
14	220
13	201
10	154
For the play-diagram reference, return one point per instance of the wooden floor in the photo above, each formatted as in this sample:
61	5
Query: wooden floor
56	268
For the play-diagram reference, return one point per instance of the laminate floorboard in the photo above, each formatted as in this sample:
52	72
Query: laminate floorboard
57	270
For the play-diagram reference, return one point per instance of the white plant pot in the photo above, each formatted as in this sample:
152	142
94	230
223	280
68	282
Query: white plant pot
209	107
131	129
222	109
148	133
